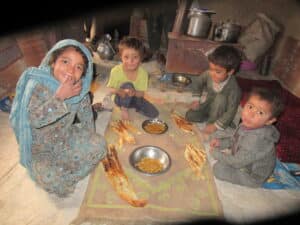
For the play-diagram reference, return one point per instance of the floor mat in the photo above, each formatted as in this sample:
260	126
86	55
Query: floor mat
175	196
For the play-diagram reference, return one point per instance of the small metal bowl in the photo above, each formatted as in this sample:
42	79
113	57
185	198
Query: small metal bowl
161	128
152	152
181	80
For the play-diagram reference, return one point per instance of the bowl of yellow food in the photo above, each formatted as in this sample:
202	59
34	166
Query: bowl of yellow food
150	160
154	126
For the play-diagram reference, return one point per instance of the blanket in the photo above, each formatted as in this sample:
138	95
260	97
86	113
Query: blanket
282	177
175	196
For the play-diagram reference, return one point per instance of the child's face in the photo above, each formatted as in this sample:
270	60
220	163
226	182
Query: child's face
257	113
69	64
130	58
218	73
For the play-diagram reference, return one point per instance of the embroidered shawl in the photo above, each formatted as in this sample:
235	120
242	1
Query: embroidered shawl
19	118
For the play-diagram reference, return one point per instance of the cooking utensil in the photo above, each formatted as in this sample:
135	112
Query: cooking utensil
154	126
105	49
152	152
181	80
227	32
200	23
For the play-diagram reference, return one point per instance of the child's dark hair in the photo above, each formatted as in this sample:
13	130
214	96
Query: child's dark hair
271	96
56	53
226	56
134	43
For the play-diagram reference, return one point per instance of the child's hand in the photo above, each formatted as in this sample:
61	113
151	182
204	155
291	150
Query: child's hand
131	92
209	128
194	105
214	143
68	88
122	92
124	114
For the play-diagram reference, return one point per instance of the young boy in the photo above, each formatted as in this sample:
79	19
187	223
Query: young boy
251	156
219	91
129	81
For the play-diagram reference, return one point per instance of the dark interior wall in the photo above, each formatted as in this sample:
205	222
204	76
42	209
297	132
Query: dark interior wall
286	13
64	24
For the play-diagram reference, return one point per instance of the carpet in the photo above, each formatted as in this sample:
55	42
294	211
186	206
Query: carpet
176	196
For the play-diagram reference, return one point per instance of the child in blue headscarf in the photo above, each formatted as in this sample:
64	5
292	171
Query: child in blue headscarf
56	151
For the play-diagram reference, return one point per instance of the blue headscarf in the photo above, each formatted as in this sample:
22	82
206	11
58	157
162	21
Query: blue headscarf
19	118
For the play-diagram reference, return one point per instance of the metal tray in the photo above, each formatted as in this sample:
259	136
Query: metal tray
158	126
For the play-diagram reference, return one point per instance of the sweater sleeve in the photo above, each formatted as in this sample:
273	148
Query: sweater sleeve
225	142
85	114
250	150
44	108
233	100
113	81
199	82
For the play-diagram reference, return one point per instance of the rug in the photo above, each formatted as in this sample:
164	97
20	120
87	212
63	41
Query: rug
176	196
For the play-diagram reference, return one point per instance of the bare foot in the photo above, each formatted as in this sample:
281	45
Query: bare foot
124	114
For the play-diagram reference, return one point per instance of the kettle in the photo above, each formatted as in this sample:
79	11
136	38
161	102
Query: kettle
105	49
226	32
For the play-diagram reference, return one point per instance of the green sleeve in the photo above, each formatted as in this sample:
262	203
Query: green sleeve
113	81
199	82
234	94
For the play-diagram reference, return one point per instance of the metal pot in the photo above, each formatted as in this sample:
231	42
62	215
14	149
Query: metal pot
104	49
227	32
200	23
181	80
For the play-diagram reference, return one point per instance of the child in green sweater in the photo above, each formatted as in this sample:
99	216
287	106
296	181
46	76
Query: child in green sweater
219	91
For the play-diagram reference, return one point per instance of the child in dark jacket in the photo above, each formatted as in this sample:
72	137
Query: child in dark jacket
250	157
219	91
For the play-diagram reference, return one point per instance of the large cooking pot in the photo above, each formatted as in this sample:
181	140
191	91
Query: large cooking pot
200	23
227	32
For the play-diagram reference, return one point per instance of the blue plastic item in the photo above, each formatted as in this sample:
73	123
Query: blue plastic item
5	104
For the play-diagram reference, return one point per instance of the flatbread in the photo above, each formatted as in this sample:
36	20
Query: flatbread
118	179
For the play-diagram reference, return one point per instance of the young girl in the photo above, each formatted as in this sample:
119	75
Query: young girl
56	151
129	81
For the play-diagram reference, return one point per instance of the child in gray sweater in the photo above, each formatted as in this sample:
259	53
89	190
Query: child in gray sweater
248	157
219	91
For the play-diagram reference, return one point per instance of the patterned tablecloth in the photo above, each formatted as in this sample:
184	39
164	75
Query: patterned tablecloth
175	196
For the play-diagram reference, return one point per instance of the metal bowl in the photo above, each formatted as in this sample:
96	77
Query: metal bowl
152	152
181	80
161	126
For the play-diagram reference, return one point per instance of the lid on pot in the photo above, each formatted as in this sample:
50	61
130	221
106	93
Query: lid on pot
202	11
196	9
207	12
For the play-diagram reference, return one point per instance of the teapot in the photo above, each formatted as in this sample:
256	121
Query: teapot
226	32
105	49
